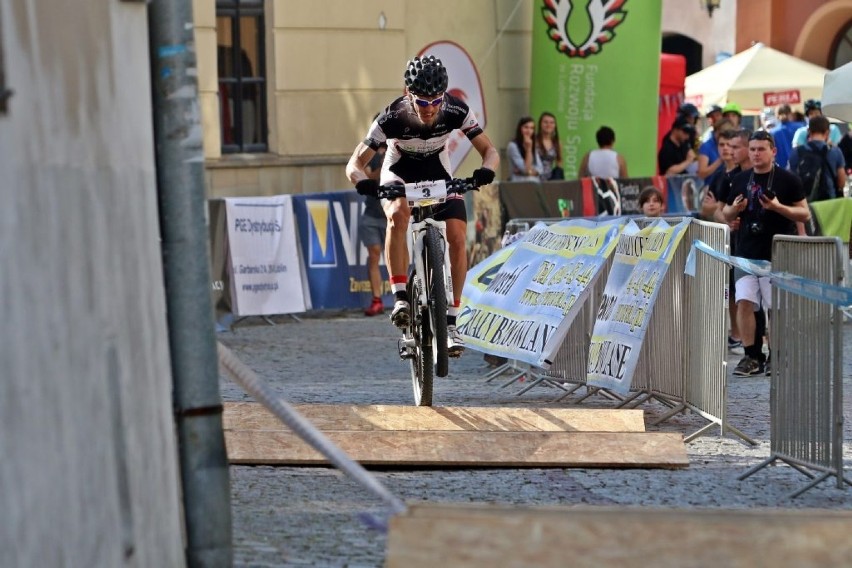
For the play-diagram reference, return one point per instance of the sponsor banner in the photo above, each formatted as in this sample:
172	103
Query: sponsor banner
263	262
586	197
520	302
776	98
642	258
593	64
335	260
685	193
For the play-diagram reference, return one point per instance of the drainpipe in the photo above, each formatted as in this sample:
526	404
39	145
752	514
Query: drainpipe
186	265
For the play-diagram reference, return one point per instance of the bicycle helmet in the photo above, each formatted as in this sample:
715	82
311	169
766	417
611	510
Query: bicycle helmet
426	76
688	109
812	104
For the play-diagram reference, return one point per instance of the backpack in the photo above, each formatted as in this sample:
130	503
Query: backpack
815	172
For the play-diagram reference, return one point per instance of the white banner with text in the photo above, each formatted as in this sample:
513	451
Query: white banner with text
264	261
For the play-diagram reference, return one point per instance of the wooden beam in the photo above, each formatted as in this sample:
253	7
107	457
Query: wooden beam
473	536
254	416
466	449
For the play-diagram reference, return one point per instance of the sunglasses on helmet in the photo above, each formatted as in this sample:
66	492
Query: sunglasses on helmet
426	103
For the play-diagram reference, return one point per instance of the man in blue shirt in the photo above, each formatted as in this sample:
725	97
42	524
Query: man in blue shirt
818	135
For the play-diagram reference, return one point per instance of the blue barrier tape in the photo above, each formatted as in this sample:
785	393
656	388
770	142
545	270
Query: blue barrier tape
811	289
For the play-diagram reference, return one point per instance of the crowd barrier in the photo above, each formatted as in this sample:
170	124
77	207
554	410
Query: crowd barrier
683	358
495	205
806	399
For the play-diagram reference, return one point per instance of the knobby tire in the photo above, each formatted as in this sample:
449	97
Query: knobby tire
423	360
434	261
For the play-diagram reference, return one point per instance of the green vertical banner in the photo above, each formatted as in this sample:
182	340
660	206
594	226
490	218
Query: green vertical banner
597	63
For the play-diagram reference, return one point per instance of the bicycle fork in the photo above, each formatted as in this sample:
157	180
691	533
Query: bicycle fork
417	248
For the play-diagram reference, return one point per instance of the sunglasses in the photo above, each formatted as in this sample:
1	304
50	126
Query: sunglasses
761	135
425	103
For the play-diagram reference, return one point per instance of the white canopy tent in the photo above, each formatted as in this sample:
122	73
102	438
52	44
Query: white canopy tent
837	94
756	78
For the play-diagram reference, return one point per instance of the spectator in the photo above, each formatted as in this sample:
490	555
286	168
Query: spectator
831	179
676	154
689	113
768	201
372	231
549	148
713	116
734	147
734	113
845	146
651	202
603	162
783	134
709	160
523	157
813	108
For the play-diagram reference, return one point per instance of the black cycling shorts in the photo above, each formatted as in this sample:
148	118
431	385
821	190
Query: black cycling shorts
430	168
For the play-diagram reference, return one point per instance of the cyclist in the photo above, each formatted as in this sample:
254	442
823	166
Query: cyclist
416	128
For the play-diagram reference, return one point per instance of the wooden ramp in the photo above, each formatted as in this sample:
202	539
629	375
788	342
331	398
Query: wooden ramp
406	436
477	535
254	416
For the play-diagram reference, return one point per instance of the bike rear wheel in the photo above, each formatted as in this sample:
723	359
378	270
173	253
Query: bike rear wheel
433	251
422	359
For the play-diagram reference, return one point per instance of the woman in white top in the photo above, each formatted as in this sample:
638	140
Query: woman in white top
523	156
604	162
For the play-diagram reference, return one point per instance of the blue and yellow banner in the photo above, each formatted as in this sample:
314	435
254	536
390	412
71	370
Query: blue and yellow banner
642	258
335	261
519	302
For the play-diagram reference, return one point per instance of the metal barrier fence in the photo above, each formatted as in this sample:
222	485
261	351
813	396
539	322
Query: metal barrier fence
806	393
683	359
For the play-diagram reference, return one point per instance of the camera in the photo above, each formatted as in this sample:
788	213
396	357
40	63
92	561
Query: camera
755	227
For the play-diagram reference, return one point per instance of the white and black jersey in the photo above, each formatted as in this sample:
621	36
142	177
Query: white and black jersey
417	152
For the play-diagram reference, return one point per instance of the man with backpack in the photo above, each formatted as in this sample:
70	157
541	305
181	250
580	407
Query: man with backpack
821	167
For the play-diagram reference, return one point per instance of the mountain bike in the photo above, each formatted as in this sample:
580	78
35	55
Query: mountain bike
430	284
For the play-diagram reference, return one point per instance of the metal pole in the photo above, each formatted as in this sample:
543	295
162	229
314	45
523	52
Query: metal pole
192	342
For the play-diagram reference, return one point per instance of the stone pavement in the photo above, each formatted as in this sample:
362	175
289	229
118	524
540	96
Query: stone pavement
296	516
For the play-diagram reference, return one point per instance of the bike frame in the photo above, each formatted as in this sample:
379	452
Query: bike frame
420	220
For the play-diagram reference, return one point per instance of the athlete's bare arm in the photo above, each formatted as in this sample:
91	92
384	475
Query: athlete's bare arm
355	168
490	156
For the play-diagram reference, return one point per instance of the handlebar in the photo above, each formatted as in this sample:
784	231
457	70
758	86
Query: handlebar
455	185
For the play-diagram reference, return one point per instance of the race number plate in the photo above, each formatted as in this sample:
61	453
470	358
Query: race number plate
423	193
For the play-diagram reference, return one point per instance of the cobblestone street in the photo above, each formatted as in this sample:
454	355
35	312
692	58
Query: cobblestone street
299	516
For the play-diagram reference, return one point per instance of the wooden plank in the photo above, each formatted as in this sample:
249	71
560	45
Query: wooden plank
462	536
468	449
254	416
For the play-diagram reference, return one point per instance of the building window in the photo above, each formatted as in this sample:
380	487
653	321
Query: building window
242	75
842	53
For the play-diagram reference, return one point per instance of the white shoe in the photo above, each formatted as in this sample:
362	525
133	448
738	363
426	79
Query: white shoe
401	314
455	342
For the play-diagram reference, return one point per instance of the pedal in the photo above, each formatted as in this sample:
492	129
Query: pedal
455	353
405	347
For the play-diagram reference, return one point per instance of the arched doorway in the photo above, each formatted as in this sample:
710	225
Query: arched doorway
841	52
679	44
826	37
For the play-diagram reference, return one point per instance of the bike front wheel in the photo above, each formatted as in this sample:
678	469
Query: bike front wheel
433	252
422	356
